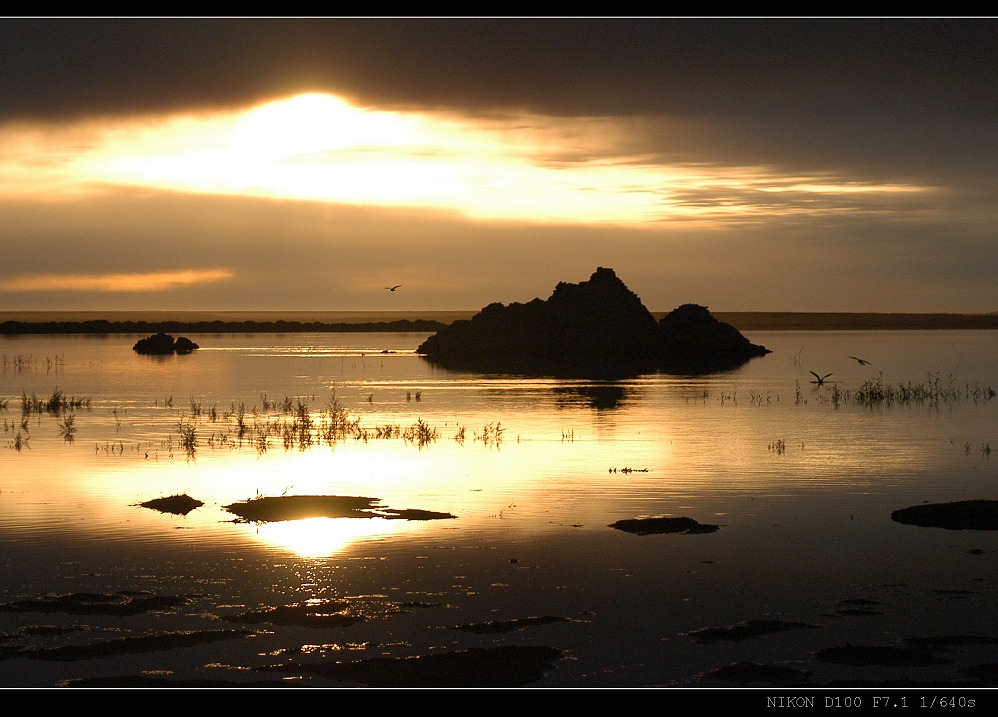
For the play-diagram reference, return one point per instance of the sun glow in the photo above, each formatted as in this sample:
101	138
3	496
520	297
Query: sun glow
324	537
319	147
137	282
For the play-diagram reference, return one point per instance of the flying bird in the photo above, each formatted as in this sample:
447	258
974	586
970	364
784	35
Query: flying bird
393	288
862	362
820	379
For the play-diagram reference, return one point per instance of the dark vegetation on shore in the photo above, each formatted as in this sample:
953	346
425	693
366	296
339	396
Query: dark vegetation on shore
102	326
741	320
854	321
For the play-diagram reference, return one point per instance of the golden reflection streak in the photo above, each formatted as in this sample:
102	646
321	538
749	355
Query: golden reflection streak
318	147
326	537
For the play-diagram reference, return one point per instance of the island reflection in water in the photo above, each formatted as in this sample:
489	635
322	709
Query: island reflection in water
800	479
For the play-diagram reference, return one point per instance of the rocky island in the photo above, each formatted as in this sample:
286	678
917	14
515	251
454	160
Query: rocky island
163	344
598	328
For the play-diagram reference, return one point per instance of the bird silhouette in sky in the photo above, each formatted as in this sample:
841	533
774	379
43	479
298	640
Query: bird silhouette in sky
393	288
862	362
820	379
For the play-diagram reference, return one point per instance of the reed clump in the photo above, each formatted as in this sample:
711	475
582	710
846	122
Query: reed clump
56	403
491	434
21	442
933	391
67	429
420	433
188	436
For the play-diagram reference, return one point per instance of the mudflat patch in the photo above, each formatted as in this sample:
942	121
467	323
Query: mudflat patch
497	626
503	666
180	504
960	515
299	507
661	524
745	630
339	612
128	645
753	672
116	604
878	655
331	613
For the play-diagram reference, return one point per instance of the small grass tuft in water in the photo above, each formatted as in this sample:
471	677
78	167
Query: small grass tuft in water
420	433
188	436
19	442
491	435
67	429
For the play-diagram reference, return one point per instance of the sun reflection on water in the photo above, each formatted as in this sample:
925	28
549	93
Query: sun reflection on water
327	537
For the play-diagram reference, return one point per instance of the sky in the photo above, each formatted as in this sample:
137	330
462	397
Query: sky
306	164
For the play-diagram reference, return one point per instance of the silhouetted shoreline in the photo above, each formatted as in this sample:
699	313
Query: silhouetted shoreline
846	321
64	322
102	326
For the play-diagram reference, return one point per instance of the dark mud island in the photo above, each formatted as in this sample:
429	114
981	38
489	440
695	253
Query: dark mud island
595	329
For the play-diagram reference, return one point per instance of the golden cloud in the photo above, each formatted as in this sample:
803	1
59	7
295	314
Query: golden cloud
114	283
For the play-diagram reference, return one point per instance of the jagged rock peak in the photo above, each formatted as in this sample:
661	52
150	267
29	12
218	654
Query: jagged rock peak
602	280
603	293
597	328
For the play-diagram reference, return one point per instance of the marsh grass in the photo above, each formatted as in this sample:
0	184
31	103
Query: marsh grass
491	435
294	422
112	448
758	398
19	442
188	436
420	433
934	391
56	403
22	363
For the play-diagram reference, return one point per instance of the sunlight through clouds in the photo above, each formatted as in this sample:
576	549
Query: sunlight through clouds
318	147
136	282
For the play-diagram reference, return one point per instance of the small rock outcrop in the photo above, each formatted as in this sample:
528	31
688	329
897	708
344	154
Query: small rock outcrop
163	344
598	328
693	341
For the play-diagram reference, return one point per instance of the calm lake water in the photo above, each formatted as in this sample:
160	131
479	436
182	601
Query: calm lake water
801	480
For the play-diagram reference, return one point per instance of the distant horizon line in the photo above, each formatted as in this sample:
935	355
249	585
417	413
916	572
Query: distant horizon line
292	314
741	320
